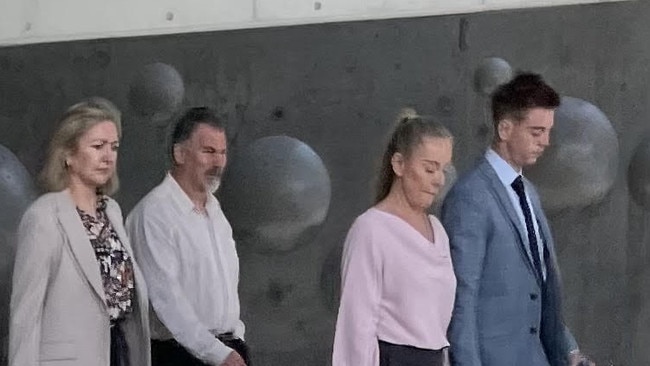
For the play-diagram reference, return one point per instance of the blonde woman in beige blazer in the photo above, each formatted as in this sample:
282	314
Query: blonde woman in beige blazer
78	296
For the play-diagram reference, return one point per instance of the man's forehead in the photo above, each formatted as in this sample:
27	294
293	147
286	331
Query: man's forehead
541	117
204	132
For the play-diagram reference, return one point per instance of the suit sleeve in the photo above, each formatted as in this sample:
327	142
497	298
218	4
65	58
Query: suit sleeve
466	224
355	341
570	343
567	341
38	249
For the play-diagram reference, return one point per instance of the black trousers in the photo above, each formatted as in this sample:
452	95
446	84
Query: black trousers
171	353
399	355
119	347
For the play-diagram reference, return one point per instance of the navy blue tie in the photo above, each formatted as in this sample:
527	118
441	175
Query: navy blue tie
518	186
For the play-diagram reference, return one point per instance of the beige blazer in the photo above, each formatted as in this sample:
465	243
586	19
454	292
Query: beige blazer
58	312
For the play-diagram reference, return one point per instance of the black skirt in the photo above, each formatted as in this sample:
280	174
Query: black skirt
119	348
398	355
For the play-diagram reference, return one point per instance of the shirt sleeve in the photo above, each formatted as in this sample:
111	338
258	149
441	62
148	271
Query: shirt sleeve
158	259
355	340
466	225
39	246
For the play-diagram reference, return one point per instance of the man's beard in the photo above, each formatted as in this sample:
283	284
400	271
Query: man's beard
213	184
214	180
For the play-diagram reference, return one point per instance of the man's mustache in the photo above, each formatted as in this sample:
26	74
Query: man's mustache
217	172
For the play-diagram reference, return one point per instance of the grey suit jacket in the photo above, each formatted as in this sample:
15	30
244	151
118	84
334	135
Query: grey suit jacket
504	314
58	312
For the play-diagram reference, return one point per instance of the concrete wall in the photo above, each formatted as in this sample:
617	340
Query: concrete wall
33	21
337	88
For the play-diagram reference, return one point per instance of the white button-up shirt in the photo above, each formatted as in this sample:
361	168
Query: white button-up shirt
507	174
191	267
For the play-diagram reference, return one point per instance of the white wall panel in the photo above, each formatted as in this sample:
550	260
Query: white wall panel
32	21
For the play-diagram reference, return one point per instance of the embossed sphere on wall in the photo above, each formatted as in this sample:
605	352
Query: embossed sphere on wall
17	190
491	73
276	193
580	165
638	175
156	91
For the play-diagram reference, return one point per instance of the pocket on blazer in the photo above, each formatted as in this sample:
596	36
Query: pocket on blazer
58	351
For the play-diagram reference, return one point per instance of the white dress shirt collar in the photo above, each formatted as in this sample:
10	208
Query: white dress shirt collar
182	200
506	173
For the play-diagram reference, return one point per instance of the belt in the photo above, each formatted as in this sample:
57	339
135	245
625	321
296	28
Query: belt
226	337
223	337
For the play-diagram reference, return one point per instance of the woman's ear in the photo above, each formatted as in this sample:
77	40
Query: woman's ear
397	162
67	159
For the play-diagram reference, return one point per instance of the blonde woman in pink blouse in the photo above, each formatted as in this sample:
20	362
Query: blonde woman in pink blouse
398	284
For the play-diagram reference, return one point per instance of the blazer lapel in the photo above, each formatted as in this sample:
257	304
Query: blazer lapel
544	231
79	243
507	207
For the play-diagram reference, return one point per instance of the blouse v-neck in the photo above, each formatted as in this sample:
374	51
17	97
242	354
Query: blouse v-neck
411	227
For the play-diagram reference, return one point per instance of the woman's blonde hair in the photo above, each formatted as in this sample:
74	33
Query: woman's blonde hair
406	136
76	121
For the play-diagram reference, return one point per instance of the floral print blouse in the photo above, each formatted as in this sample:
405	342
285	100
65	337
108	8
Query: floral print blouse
115	264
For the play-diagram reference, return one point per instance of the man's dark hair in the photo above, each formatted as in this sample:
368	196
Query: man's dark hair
189	122
524	92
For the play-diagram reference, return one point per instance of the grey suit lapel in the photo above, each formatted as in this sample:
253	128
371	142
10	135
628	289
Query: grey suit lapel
79	243
545	230
505	203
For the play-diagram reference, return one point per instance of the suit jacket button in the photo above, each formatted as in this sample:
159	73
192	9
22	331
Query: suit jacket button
533	296
533	330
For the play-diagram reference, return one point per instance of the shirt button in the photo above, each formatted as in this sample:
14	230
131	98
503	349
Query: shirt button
533	330
533	296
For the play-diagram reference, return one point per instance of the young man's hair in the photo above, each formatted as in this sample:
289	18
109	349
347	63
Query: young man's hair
526	91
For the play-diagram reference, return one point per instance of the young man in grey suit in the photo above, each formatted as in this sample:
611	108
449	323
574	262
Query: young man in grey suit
508	301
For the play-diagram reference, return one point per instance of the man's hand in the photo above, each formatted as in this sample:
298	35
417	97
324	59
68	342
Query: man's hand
233	359
578	359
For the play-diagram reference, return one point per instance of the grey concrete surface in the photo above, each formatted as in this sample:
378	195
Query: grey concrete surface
337	89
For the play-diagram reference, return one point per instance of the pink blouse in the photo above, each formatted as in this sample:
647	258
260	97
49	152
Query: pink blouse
396	286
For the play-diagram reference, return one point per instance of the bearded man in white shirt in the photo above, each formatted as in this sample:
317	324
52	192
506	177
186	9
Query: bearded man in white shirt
186	251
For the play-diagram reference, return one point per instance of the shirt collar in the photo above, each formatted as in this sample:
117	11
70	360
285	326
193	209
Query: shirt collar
506	173
181	198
